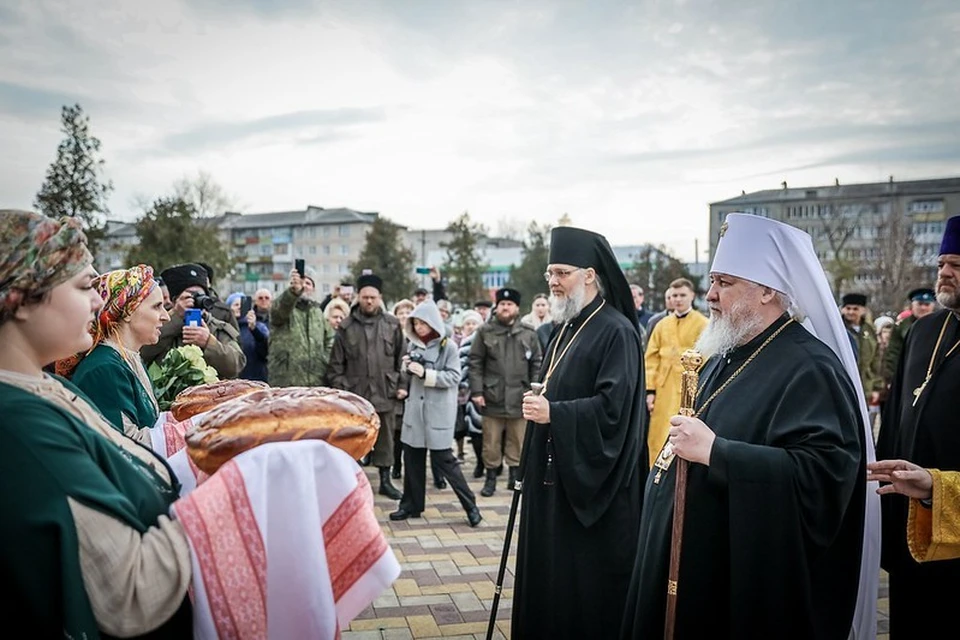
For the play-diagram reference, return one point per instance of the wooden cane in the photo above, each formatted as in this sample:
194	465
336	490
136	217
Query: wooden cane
691	361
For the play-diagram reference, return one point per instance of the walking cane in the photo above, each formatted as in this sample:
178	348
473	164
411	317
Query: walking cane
691	361
517	487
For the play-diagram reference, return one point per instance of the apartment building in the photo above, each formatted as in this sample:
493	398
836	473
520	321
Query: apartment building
869	237
266	244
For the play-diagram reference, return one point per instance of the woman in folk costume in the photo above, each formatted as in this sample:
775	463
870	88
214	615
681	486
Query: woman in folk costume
86	540
94	540
672	336
430	413
112	374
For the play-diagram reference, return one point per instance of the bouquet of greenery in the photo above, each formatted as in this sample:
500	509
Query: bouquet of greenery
180	369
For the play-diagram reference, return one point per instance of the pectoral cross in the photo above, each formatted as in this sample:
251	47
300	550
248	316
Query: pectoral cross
919	390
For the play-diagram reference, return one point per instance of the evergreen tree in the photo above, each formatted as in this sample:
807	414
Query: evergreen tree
74	185
464	265
527	277
387	256
654	269
172	232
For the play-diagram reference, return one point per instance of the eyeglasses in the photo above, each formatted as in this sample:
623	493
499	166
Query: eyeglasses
559	274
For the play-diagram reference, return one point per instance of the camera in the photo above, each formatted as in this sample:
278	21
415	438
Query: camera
417	357
203	301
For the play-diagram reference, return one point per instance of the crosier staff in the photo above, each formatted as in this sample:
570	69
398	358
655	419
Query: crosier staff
689	380
536	388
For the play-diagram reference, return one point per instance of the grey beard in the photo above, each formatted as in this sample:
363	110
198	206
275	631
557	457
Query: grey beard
725	333
569	307
949	301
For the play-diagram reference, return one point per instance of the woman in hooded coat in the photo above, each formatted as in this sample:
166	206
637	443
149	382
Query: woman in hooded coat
430	413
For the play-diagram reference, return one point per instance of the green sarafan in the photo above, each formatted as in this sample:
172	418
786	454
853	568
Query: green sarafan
180	369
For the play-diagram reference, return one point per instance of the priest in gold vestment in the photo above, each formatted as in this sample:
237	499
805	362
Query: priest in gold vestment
673	335
933	519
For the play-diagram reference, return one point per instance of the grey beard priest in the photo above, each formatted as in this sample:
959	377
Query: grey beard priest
780	529
583	451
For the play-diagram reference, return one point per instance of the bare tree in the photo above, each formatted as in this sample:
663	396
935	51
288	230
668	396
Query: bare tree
894	271
204	193
511	228
839	222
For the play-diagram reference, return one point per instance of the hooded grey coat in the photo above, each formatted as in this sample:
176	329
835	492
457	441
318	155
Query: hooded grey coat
430	412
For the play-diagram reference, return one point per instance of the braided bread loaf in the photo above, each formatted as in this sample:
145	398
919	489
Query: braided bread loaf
205	397
343	419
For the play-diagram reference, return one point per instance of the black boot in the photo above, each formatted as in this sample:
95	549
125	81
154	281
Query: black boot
474	517
490	485
477	442
386	487
397	460
511	478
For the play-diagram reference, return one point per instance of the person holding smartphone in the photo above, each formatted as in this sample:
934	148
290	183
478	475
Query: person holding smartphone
220	341
300	335
254	336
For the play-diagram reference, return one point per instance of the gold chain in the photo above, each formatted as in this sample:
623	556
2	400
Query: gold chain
753	355
919	390
554	360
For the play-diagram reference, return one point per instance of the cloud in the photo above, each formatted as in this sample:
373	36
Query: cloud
318	126
29	103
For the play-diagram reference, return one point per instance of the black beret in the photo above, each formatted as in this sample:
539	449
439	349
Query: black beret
370	280
506	293
181	276
854	298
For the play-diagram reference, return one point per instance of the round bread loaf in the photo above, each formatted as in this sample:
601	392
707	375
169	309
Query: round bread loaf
205	397
278	414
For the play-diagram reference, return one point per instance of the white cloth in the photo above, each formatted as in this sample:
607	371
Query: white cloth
782	257
284	544
168	439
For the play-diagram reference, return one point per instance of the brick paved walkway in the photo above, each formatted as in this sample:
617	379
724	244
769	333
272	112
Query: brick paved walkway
449	570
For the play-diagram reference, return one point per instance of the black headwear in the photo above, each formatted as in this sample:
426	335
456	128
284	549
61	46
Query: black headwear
854	298
482	303
370	280
922	295
181	276
208	269
506	293
582	248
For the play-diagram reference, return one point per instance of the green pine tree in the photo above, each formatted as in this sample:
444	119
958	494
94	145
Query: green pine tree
74	185
527	277
387	256
464	265
172	232
654	269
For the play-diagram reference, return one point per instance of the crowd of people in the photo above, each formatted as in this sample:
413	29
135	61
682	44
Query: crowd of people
812	423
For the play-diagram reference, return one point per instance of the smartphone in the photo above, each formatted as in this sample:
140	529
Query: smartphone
246	305
366	272
423	270
192	318
301	266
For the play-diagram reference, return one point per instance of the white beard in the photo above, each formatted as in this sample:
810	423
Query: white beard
565	309
725	333
949	300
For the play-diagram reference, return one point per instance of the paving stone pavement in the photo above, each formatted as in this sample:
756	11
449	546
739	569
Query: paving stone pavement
449	570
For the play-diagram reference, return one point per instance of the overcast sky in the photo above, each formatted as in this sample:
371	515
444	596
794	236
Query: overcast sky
629	116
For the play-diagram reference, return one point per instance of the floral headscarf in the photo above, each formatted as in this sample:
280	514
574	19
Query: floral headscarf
122	292
39	253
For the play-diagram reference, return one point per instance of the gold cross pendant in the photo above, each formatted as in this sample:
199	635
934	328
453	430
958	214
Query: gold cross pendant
919	390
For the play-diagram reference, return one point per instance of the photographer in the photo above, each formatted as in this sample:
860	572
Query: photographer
218	340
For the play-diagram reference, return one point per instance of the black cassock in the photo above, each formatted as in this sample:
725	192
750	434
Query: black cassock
922	596
578	536
774	526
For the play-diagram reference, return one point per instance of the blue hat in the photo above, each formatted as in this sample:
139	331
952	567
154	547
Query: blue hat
951	237
922	295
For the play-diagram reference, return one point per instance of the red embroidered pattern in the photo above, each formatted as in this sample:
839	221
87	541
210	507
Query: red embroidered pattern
173	433
354	541
222	528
